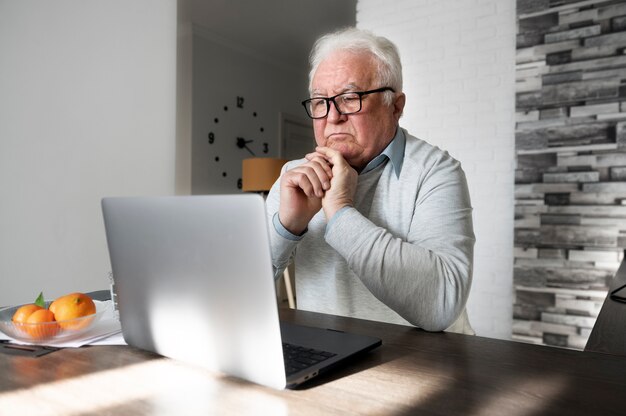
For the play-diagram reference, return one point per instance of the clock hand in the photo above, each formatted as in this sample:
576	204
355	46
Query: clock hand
251	152
243	144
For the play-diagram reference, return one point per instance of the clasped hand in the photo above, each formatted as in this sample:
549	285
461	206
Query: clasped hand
325	181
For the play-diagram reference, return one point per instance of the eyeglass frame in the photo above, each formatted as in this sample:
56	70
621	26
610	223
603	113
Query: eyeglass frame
329	99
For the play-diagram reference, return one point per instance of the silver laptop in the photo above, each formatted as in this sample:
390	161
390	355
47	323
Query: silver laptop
194	282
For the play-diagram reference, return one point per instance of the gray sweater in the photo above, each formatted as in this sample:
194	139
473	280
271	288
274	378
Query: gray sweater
403	254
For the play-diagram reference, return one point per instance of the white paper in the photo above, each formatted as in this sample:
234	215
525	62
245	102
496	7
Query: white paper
115	339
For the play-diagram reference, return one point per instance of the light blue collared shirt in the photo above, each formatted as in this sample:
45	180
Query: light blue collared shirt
394	152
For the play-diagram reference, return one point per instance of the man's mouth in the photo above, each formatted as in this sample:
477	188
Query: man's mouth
338	136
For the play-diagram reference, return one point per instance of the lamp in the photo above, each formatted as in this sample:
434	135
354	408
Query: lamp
260	173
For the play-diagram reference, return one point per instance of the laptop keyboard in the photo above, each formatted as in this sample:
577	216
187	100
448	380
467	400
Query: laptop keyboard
298	358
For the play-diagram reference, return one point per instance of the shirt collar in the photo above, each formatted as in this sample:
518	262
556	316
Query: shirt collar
394	152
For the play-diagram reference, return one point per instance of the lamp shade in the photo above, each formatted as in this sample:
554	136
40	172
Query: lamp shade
260	173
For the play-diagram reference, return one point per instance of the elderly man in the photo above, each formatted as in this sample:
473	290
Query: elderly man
379	222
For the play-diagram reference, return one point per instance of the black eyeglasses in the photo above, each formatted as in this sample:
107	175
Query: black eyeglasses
345	103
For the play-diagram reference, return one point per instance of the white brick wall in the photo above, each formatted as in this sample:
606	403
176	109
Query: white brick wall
458	58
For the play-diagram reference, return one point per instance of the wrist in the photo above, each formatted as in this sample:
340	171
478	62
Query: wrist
338	214
280	229
291	223
330	211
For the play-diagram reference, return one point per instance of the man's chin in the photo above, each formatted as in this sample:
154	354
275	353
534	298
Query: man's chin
350	154
344	150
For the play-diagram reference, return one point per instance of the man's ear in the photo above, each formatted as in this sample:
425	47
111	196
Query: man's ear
398	105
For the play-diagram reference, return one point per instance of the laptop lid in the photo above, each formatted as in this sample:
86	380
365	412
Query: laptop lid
194	282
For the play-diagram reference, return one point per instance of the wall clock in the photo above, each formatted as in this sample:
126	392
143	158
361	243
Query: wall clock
236	133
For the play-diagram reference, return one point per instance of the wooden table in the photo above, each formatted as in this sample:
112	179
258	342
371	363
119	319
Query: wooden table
609	332
414	372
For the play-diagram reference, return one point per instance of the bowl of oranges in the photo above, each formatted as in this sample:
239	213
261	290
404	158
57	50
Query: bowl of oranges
65	318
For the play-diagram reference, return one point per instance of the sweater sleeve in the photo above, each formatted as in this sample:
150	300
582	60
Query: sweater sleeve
282	242
424	276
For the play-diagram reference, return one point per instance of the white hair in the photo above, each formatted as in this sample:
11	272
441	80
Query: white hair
361	41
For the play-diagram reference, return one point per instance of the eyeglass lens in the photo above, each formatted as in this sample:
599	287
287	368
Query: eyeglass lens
345	103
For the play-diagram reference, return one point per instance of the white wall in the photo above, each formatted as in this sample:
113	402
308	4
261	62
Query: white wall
87	109
458	58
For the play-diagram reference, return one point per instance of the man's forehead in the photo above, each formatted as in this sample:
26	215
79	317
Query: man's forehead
344	71
350	86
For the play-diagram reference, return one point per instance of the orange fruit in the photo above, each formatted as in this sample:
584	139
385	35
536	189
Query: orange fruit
41	324
70	307
23	312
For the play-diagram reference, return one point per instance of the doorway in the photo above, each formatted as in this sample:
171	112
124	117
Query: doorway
296	136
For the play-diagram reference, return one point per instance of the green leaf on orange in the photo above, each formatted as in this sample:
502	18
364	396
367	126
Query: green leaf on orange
40	301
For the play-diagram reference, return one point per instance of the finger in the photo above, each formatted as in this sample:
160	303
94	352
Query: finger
333	156
323	172
327	152
312	155
319	174
306	178
300	181
322	160
321	165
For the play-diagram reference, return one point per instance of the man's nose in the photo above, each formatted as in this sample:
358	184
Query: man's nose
333	113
